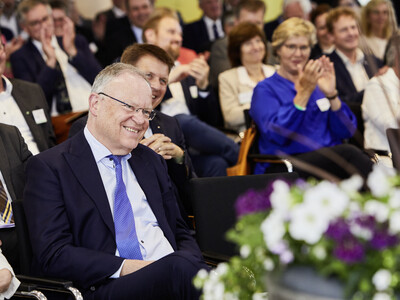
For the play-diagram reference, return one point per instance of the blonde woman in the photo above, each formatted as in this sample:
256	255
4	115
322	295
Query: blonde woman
247	53
378	23
297	110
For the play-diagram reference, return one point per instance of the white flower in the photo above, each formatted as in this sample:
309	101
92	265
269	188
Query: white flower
222	269
308	223
352	184
382	279
319	252
260	296
286	257
273	229
381	296
378	180
327	198
213	288
268	264
394	223
377	209
280	197
360	231
245	251
394	200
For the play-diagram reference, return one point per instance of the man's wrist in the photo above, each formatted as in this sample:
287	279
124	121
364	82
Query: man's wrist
180	159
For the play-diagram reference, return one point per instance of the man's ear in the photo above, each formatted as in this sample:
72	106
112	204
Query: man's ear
94	100
150	36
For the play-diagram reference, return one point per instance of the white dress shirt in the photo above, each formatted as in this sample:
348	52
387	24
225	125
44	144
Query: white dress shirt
14	281
209	25
11	114
357	71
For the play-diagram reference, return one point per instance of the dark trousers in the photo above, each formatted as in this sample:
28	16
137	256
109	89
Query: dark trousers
9	239
352	160
168	278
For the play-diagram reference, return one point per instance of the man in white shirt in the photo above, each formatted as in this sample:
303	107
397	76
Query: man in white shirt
353	68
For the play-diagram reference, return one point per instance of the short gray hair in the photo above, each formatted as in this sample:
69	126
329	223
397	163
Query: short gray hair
112	71
305	5
26	5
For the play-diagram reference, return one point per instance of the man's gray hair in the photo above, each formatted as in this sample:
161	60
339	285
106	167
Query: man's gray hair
305	5
26	5
112	71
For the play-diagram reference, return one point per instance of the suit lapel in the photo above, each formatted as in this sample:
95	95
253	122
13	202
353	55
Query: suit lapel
343	73
83	165
5	169
155	125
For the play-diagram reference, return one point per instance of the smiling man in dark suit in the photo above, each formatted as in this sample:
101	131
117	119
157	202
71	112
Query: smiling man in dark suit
103	212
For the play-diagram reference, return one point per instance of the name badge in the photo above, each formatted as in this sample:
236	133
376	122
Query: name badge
39	116
323	104
245	97
194	92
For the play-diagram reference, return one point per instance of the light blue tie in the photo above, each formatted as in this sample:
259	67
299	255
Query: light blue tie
124	221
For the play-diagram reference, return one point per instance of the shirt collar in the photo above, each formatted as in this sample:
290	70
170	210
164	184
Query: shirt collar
118	12
39	46
346	60
210	22
98	149
7	84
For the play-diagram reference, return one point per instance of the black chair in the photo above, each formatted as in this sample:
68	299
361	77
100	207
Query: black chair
213	200
254	156
52	288
393	136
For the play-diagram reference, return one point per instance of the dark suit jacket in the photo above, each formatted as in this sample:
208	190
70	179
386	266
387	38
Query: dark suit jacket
69	217
195	36
30	97
206	109
344	84
118	36
13	157
28	64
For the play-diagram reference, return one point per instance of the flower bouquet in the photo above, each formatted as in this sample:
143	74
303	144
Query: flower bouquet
337	230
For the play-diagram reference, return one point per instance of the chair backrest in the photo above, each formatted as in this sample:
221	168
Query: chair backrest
393	136
213	201
24	243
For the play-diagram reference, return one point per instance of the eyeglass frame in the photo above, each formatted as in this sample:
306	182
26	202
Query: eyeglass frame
293	48
36	23
151	113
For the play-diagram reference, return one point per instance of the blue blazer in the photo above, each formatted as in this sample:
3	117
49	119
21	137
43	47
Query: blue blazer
344	84
28	64
69	217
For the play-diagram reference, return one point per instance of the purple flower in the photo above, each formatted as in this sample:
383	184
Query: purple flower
382	239
253	201
338	230
366	221
349	250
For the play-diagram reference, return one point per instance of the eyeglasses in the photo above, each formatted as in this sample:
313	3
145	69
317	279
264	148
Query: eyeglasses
39	22
293	48
148	114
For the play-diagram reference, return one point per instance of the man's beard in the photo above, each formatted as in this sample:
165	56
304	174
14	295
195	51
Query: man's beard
173	52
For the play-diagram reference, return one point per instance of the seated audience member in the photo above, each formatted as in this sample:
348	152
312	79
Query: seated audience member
324	43
164	134
63	66
378	23
189	99
247	53
127	30
291	8
126	239
200	34
8	17
297	110
381	105
14	155
8	282
353	68
247	11
24	105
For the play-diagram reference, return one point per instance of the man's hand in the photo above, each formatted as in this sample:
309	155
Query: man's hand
45	39
13	46
68	39
162	145
5	279
133	265
199	70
